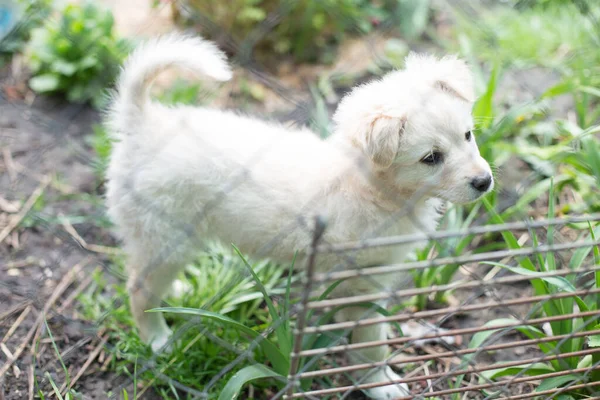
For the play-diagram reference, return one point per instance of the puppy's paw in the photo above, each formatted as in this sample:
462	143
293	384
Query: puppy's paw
388	392
417	329
161	342
180	288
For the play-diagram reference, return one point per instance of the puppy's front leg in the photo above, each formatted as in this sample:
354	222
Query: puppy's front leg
382	374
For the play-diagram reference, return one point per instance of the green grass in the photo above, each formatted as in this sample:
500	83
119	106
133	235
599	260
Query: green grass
559	37
543	286
222	285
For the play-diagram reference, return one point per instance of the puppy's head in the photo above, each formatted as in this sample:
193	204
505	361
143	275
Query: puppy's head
415	128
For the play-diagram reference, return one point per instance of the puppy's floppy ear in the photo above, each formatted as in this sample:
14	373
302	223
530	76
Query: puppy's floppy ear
383	139
452	90
449	74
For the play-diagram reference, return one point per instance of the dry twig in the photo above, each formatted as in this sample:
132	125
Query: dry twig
95	248
35	330
16	324
86	365
16	220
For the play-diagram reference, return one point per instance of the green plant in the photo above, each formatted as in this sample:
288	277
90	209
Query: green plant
583	5
76	54
218	281
276	350
536	269
69	393
564	151
306	29
181	92
20	17
457	218
102	145
558	36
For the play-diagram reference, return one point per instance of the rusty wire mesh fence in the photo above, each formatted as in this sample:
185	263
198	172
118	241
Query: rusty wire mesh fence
444	355
484	310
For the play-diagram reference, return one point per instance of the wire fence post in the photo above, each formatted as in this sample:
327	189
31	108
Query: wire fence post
302	309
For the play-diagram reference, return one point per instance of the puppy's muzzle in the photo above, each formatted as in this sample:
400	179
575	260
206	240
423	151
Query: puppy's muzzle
482	183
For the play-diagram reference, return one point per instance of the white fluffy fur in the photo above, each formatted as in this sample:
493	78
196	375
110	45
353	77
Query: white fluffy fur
180	176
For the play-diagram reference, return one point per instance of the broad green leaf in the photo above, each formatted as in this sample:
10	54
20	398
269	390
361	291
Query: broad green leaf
556	281
278	359
233	387
559	89
44	83
414	16
585	362
525	369
478	340
556	382
63	67
88	62
594	341
590	90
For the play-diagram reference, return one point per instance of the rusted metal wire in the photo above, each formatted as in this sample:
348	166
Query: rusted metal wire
447	333
340	301
466	356
413	238
302	311
447	354
472	258
466	371
555	392
473	388
448	310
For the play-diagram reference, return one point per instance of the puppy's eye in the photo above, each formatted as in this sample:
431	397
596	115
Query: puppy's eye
468	136
433	158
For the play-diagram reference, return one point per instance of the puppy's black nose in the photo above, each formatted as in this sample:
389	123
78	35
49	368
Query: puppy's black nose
482	183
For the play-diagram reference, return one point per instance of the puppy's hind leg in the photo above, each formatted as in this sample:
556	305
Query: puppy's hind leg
147	285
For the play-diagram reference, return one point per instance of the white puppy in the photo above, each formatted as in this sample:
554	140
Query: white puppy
180	176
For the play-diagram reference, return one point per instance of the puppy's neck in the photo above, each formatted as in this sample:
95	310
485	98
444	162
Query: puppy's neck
379	188
376	187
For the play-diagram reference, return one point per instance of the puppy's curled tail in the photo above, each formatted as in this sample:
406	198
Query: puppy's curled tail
153	57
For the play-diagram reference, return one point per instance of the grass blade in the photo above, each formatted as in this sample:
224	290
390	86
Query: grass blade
250	373
283	337
556	382
557	281
54	388
276	357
